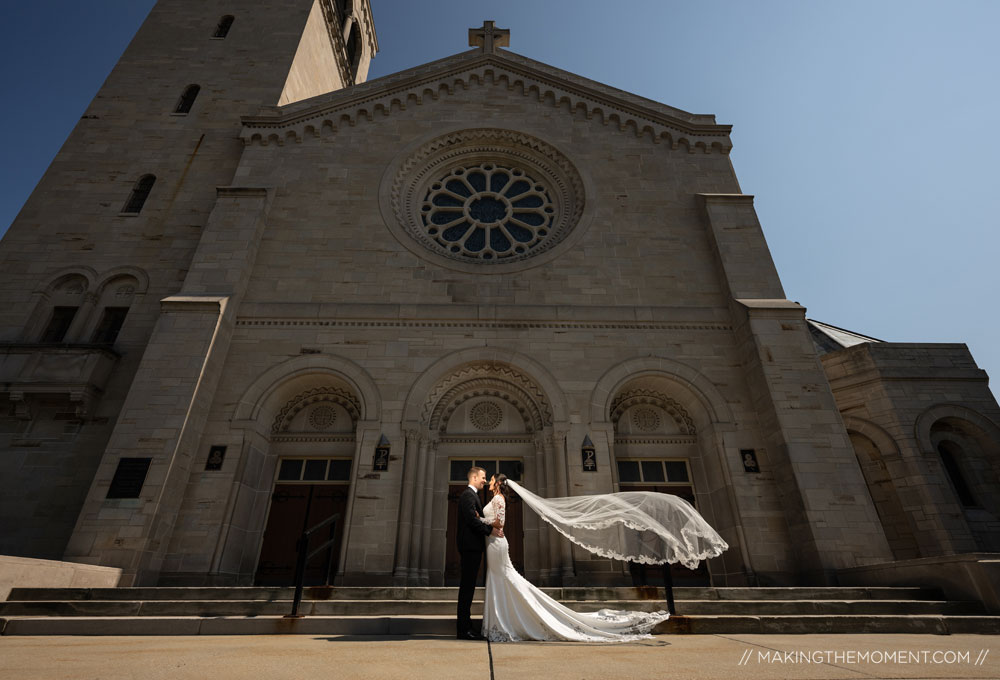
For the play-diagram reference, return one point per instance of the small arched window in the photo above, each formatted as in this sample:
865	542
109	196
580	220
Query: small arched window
225	23
64	301
353	50
140	192
950	453
186	101
114	302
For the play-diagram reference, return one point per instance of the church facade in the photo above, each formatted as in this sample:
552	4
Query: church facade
254	291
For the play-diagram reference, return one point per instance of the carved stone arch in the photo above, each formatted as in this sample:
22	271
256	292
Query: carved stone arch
293	406
443	374
108	277
626	400
535	418
887	446
926	421
53	291
881	465
489	379
369	405
708	406
54	280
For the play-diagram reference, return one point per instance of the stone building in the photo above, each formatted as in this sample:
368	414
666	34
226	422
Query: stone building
254	290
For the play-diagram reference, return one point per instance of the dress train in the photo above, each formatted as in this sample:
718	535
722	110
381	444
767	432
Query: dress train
514	609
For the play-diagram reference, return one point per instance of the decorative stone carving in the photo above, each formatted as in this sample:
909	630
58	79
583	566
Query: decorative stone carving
487	380
322	417
626	400
646	419
486	416
309	397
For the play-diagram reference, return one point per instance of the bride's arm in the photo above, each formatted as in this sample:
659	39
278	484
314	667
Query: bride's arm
501	506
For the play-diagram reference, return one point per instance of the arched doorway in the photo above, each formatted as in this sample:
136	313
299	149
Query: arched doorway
494	415
698	421
486	431
655	443
313	441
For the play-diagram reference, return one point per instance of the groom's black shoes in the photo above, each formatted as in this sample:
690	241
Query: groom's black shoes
470	635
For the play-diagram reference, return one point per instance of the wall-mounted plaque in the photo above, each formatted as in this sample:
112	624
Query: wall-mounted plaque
216	455
129	478
749	457
589	455
380	461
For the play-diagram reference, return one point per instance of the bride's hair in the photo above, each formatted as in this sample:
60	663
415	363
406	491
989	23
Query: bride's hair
502	488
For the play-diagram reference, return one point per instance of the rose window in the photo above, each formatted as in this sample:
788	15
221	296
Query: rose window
487	212
485	201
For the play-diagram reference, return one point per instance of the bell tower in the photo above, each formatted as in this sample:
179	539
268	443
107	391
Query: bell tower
334	51
122	209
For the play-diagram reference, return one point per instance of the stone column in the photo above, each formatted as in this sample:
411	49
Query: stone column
552	537
558	445
426	508
401	573
416	512
534	471
167	405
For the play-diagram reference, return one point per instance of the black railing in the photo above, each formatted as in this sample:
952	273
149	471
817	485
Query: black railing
668	586
302	548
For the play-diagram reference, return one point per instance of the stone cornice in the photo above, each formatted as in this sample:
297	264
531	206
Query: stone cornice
259	322
486	439
461	315
326	113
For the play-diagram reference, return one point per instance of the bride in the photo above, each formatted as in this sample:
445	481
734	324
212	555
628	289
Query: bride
514	609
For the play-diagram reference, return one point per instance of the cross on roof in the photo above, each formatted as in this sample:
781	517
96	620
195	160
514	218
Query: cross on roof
489	37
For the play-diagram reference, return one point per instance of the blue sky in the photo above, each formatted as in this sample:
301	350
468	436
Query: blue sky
864	129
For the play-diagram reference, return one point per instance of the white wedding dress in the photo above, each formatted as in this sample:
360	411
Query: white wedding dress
514	609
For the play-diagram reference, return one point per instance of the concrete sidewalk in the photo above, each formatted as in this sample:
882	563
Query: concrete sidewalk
689	657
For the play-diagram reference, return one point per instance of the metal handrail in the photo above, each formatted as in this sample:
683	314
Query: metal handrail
302	547
668	586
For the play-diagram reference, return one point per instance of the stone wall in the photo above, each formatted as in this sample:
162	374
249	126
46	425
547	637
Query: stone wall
899	401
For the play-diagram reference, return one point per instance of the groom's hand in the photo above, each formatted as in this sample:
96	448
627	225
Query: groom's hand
497	523
497	532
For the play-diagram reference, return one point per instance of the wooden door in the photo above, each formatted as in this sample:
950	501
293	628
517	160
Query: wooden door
513	530
295	508
645	574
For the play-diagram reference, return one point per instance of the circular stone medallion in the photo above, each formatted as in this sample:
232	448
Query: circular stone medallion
322	417
646	419
486	416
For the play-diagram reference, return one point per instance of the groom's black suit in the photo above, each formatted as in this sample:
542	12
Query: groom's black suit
471	537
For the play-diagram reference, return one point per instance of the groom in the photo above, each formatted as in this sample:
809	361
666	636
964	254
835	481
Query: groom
472	533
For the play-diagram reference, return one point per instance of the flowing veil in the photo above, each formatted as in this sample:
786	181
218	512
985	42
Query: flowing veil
637	526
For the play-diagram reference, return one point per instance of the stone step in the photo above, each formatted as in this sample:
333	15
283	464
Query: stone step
444	625
207	608
446	593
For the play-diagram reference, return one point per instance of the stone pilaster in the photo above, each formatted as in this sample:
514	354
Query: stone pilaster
830	516
424	510
416	512
558	446
552	537
401	571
